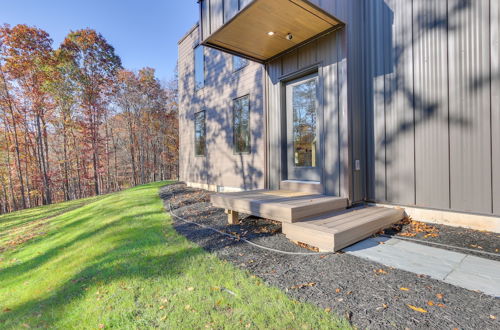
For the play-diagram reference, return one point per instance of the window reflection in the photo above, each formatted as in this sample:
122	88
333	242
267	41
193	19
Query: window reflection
304	124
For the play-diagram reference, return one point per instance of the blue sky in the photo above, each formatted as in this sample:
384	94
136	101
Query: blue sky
143	32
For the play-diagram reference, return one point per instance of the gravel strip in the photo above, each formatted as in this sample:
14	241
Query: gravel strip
370	295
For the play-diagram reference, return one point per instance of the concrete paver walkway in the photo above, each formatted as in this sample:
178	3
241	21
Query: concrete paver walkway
462	270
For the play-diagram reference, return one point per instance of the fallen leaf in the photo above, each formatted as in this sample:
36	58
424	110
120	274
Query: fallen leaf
187	307
190	288
337	290
404	289
476	246
431	235
248	325
417	309
439	296
408	234
101	326
441	305
430	303
300	286
380	271
6	310
328	310
162	307
497	250
385	306
493	317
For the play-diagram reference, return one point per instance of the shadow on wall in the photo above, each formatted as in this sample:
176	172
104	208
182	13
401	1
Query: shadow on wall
408	99
222	86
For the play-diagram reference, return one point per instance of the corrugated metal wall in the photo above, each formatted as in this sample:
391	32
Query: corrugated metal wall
432	92
327	56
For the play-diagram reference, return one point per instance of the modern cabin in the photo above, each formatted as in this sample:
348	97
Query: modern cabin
345	102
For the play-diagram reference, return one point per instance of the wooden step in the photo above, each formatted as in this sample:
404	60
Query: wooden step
279	205
334	231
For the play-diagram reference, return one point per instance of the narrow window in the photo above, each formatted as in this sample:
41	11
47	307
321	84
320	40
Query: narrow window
241	125
200	132
199	67
239	63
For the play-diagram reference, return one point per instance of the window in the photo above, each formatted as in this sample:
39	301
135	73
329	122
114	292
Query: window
241	125
199	67
239	63
200	132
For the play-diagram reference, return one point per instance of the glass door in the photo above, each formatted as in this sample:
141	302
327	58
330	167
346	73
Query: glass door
304	156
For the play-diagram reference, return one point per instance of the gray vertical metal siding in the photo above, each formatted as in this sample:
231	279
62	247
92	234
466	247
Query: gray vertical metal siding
438	142
470	107
399	119
495	102
326	53
432	165
419	82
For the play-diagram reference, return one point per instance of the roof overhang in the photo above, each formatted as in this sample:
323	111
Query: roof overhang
262	30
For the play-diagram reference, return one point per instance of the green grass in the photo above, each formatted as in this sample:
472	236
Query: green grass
118	263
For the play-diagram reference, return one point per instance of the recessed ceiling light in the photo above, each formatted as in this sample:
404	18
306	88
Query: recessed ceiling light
270	33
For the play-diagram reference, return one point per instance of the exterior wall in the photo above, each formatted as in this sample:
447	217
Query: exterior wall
221	166
327	57
422	102
432	72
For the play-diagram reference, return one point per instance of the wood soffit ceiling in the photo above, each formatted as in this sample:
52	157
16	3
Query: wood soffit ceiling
246	34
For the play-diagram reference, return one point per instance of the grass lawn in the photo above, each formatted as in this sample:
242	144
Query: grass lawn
116	262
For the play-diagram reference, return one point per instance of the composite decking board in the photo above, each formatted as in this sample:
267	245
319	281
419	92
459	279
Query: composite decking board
335	226
339	230
273	204
336	223
339	215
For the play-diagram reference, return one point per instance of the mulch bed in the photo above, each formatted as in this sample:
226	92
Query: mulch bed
368	294
453	238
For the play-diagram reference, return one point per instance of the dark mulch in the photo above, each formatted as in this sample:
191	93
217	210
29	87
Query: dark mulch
453	238
366	293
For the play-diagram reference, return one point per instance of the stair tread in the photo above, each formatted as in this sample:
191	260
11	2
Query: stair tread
337	230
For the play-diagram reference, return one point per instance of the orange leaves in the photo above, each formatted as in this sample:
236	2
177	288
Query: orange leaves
303	285
404	289
380	271
417	309
439	296
417	227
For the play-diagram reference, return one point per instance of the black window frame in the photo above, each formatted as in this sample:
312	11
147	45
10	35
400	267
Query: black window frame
197	85
248	148
196	139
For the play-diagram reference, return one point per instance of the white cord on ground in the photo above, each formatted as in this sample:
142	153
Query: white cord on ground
441	244
243	239
320	253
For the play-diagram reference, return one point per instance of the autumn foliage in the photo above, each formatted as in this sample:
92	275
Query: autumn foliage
74	123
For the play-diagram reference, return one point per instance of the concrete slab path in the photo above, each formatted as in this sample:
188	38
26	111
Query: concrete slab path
462	270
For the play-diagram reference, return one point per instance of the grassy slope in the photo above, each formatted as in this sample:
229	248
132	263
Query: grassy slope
118	262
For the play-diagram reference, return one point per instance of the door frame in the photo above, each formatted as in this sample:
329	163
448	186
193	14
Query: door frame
315	69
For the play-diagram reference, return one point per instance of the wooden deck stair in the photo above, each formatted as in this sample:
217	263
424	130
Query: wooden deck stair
335	231
317	220
279	205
